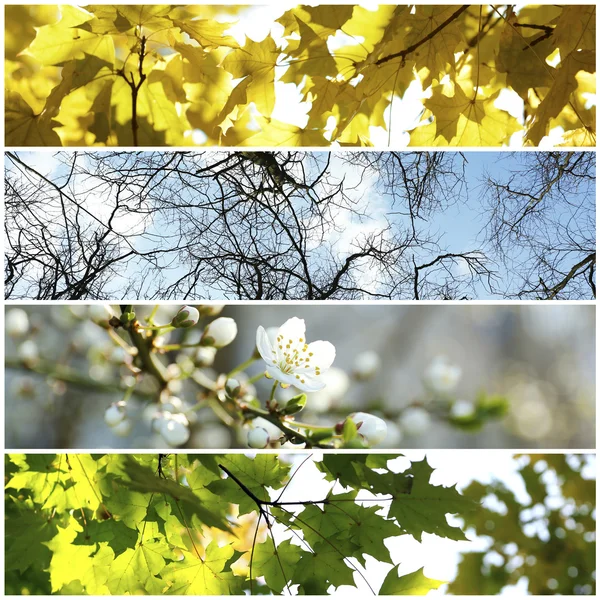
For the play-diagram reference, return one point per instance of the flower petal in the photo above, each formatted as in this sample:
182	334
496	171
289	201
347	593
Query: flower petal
264	346
293	329
323	354
311	384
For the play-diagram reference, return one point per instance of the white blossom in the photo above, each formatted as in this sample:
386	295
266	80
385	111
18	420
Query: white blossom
366	364
337	384
442	376
290	360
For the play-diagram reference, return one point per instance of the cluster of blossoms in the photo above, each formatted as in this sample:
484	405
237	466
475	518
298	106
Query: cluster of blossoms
302	374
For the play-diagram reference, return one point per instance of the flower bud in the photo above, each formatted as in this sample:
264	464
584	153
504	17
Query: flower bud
371	428
100	312
187	316
175	429
28	352
415	421
211	310
366	364
16	322
205	356
461	409
220	333
115	413
232	388
122	429
258	438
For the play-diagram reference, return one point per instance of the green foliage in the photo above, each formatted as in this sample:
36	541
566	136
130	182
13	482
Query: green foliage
175	524
548	539
160	75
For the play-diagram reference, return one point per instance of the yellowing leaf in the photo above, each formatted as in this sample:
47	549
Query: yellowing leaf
576	29
276	133
256	60
24	128
412	584
557	97
463	121
55	44
209	34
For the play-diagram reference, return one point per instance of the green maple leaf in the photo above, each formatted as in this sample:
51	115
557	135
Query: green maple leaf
258	473
88	564
425	508
143	479
202	577
368	532
26	537
276	565
413	584
137	569
324	564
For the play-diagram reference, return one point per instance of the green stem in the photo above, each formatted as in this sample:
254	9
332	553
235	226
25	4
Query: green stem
289	432
241	367
312	427
68	375
150	362
150	319
273	389
255	378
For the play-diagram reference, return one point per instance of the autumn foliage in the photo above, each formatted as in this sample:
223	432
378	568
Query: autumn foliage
174	75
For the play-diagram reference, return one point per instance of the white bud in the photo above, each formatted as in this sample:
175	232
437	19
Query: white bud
366	364
187	316
28	351
115	413
123	428
205	356
211	310
415	421
462	408
220	332
442	376
100	312
118	355
371	428
175	431
258	438
16	322
173	404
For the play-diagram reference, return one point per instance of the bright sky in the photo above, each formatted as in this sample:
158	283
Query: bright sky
461	224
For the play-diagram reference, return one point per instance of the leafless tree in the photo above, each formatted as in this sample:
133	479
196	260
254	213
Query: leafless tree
244	225
541	222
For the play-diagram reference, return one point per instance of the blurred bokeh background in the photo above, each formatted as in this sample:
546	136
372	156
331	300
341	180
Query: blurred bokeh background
540	357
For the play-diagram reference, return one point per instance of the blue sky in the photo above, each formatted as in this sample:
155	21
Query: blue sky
460	225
